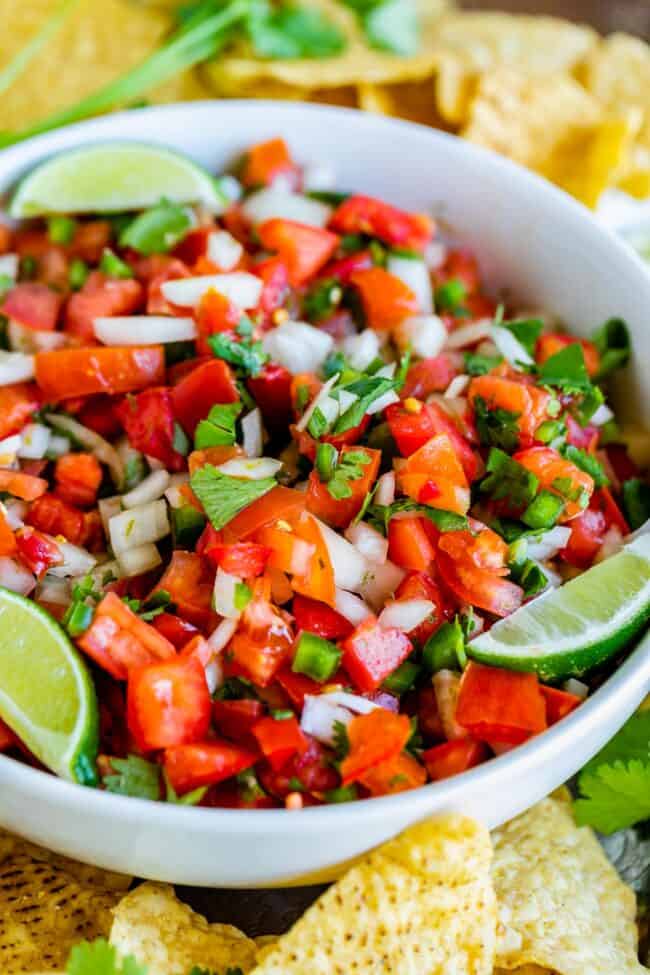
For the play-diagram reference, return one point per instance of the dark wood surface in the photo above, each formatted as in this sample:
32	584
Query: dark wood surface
632	16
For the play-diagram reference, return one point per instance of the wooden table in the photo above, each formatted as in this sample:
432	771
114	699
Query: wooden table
632	16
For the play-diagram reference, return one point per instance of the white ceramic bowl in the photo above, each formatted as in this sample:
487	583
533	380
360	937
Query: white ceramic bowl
532	240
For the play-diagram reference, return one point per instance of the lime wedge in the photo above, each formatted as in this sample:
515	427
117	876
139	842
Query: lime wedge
46	694
569	630
113	177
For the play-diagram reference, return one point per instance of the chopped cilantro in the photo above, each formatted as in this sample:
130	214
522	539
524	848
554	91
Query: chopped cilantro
349	468
341	741
218	430
368	389
134	776
530	576
192	798
100	958
570	491
613	343
508	479
480	365
526	331
379	515
389	25
303	396
566	369
587	463
291	31
157	230
245	355
588	404
223	496
497	427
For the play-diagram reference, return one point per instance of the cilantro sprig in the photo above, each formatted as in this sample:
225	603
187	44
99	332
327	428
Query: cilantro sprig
496	427
218	430
133	776
379	515
246	355
349	468
223	496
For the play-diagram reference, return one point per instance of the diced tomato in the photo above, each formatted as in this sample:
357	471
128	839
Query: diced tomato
237	224
195	395
312	768
101	297
235	719
7	537
604	498
193	246
189	582
54	516
319	618
409	545
5	239
428	715
436	463
214	314
345	267
500	705
318	583
7	737
558	703
271	390
304	249
287	551
372	652
262	643
587	534
279	739
171	270
78	477
279	503
90	239
266	161
275	288
37	551
118	640
453	757
418	585
243	559
559	476
412	430
385	299
480	587
482	548
174	629
366	215
549	345
339	512
429	376
182	369
622	464
97	413
33	304
148	419
113	369
25	486
191	766
17	404
460	265
394	775
297	686
168	704
374	738
527	402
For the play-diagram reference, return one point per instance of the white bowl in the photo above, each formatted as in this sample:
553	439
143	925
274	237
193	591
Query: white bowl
532	240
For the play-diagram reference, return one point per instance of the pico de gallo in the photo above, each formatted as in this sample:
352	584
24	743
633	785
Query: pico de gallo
273	470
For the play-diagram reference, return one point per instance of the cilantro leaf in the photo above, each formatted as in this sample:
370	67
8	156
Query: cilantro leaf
134	776
393	26
368	389
223	496
480	365
508	479
157	230
614	796
445	521
496	428
291	31
192	798
566	369
613	343
341	742
526	331
349	468
631	742
100	958
219	428
248	356
587	463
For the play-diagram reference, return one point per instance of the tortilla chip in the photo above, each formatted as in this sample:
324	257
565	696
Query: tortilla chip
415	101
169	938
421	903
98	42
47	904
561	903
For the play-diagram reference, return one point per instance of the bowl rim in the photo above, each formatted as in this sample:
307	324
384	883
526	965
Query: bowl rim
619	690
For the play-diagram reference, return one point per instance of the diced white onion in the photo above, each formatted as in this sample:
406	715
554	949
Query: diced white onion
510	347
15	512
298	347
426	334
53	591
223	634
385	493
225	588
415	275
174	496
318	176
275	202
320	716
137	561
612	543
36	440
77	561
101	448
144	329
108	508
371	543
224	250
406	614
380	583
644	529
58	446
446	684
9	448
469	334
154	463
251	468
9	266
351	607
103	574
14	576
240	287
573	686
318	401
456	387
152	488
349	566
31	340
362	349
382	402
602	416
553	579
15	367
253	433
354	702
138	526
435	254
214	675
549	543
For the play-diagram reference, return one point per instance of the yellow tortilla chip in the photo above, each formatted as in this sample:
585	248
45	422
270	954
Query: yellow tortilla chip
169	938
415	101
421	903
47	905
561	903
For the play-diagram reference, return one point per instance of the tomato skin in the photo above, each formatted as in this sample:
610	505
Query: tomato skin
174	629
558	703
366	215
17	403
374	738
266	161
168	704
33	305
279	740
189	582
271	390
412	431
191	766
409	545
235	719
312	768
453	757
500	705
372	652
194	396
110	369
304	249
339	512
297	686
148	420
54	516
97	412
386	300
603	498
431	375
101	297
436	468
78	477
37	551
118	640
319	618
243	559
